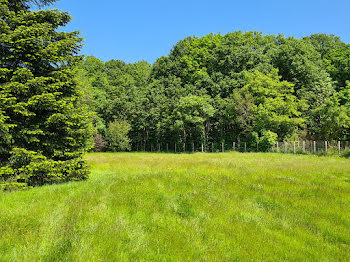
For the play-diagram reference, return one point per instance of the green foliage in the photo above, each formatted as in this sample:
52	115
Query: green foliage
30	168
334	119
117	135
335	55
268	140
275	106
239	111
190	116
45	129
226	88
116	90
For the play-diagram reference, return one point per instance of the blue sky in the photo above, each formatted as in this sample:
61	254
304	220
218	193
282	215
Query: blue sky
145	30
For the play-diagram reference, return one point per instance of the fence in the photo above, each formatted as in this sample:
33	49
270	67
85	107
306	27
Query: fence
297	147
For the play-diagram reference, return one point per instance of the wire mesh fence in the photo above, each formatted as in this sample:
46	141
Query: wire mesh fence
296	147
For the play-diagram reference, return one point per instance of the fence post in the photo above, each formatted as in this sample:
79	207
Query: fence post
212	147
339	147
257	146
277	147
294	147
184	147
245	147
303	146
202	148
192	147
158	148
315	147
325	146
234	146
223	147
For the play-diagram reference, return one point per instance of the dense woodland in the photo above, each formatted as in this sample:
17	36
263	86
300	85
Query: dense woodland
243	87
55	104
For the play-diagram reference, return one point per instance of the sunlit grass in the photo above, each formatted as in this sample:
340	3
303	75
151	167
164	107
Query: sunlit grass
201	207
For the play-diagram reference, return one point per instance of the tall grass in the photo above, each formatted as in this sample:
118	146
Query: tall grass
185	207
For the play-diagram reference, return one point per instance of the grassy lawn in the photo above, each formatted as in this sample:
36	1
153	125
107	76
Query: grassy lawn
189	207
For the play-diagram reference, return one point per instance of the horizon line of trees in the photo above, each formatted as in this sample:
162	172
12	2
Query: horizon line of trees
247	87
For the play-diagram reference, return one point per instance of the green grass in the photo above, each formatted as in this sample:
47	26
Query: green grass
189	207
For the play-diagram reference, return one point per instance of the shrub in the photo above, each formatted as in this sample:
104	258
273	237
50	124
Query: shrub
117	135
100	143
267	140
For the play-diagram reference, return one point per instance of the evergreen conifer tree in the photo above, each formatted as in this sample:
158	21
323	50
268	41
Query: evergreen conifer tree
44	130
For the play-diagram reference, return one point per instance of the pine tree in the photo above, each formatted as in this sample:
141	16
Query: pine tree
44	130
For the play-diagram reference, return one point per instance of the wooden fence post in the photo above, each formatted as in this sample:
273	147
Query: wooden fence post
212	147
325	146
339	147
234	146
315	147
294	147
223	146
175	147
202	148
192	147
245	147
277	147
158	148
303	146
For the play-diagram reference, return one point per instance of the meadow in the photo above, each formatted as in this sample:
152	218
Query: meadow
185	207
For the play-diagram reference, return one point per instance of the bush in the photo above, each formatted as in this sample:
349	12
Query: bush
267	141
117	135
346	153
100	143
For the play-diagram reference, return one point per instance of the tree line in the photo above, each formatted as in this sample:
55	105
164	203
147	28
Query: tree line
239	87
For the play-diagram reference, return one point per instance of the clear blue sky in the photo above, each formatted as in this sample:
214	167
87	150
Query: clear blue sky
145	30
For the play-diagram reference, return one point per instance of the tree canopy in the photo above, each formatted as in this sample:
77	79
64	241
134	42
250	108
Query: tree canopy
233	87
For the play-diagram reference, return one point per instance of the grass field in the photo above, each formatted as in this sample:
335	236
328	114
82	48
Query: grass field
189	207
